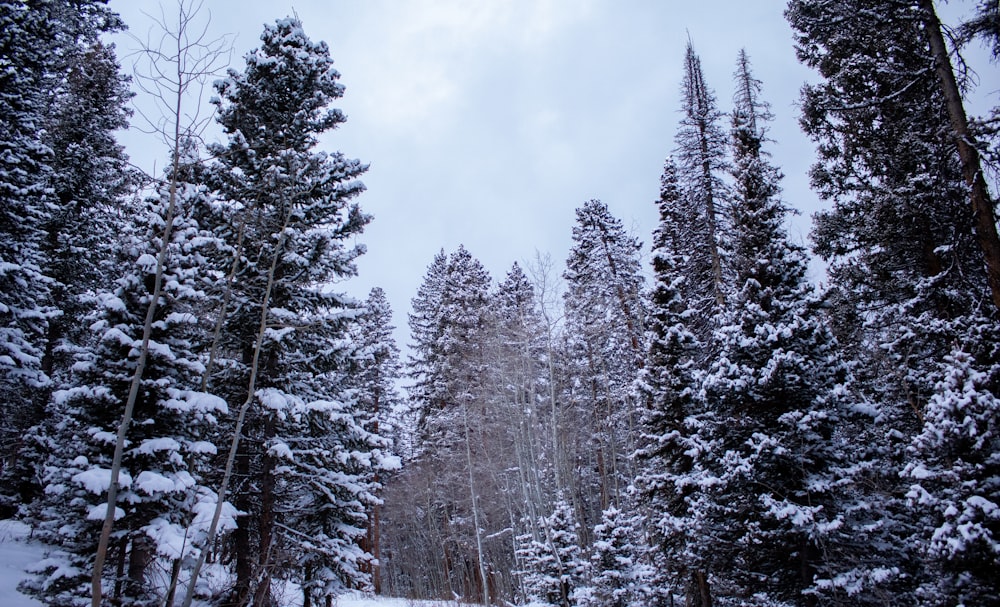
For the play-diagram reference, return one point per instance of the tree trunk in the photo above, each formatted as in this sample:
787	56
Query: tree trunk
175	573
699	593
984	219
475	511
138	560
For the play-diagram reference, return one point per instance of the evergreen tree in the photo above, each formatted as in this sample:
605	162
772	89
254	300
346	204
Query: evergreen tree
164	465
374	380
955	471
672	412
604	320
295	217
617	576
553	563
425	325
62	98
89	180
701	160
774	393
519	368
41	46
904	261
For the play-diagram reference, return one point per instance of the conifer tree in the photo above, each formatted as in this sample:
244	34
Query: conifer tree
519	376
62	170
903	253
618	577
43	48
383	411
89	180
955	476
604	320
162	483
425	325
671	411
701	161
553	562
295	206
773	391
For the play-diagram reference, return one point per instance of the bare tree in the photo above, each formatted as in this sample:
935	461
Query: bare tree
179	61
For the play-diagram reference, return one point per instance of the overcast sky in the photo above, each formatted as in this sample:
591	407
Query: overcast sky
487	122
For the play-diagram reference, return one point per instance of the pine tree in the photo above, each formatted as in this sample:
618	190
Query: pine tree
904	258
89	180
774	393
374	380
296	215
604	320
955	475
164	465
553	563
671	412
40	46
425	326
701	161
519	367
617	576
62	99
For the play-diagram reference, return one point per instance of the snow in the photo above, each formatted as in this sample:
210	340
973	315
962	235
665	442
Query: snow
98	512
16	553
95	480
152	445
153	482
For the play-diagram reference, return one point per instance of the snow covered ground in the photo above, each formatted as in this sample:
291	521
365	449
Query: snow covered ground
17	551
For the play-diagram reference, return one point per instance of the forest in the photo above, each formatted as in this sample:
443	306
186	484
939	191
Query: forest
195	413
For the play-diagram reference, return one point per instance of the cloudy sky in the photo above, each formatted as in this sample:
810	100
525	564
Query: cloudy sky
487	122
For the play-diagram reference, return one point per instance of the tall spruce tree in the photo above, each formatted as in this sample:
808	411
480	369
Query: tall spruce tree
52	60
773	391
604	320
425	326
62	99
374	380
905	263
164	465
297	216
671	411
701	160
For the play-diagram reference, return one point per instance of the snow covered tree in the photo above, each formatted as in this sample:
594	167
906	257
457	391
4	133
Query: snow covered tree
374	380
955	475
425	327
552	559
53	60
62	99
89	179
773	393
701	161
899	233
982	205
162	489
519	374
604	320
668	443
452	434
618	577
905	263
294	220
